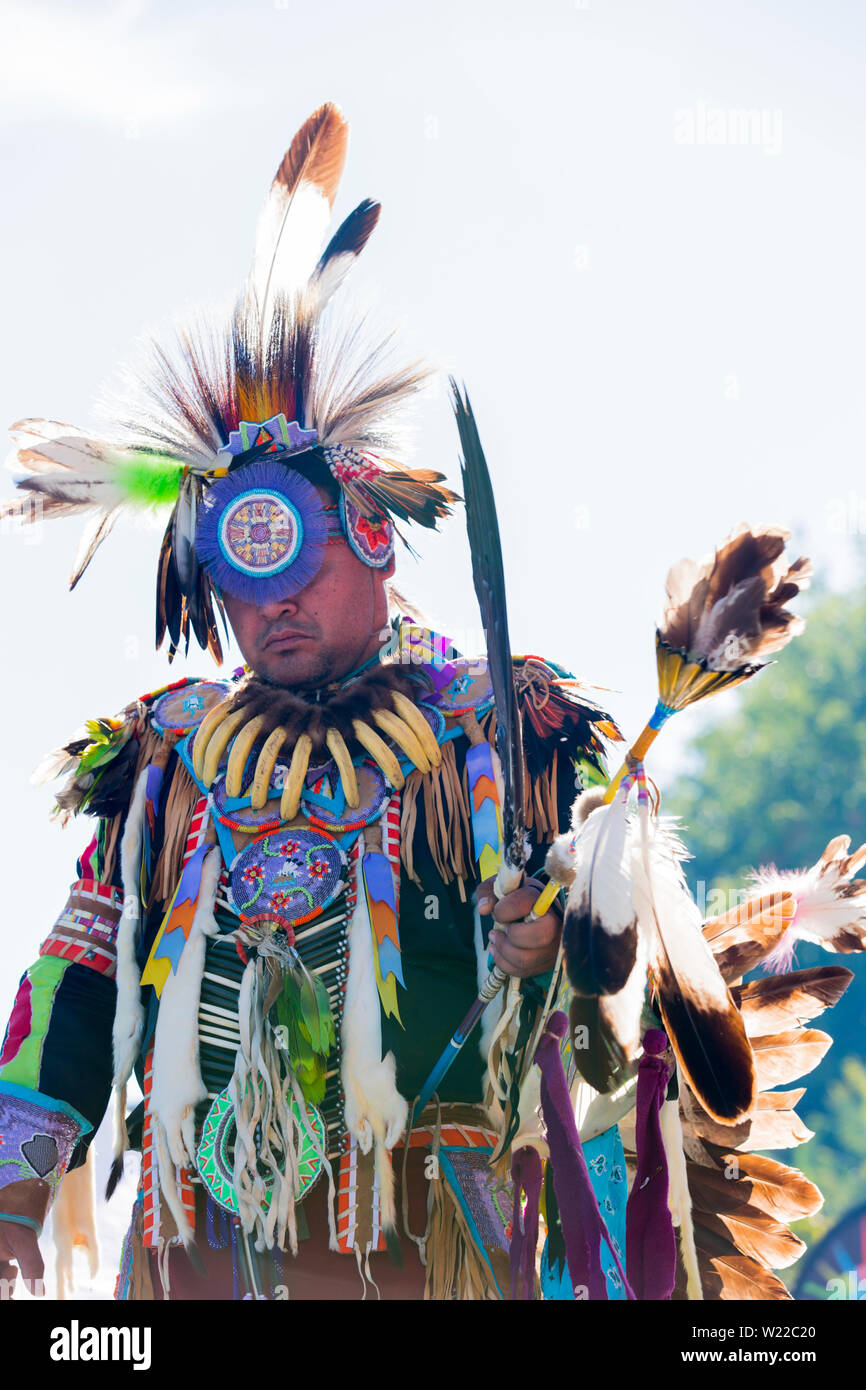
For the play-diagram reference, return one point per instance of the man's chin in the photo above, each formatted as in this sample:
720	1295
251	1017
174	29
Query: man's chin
294	668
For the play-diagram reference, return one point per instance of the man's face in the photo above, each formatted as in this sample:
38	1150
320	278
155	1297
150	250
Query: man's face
328	629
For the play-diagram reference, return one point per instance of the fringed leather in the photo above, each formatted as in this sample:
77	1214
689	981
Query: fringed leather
179	807
456	1269
540	804
446	818
149	744
110	845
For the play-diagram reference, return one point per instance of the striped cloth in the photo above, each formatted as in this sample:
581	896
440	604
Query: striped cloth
86	930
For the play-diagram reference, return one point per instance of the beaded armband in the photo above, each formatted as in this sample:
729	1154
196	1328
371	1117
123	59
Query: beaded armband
37	1137
85	932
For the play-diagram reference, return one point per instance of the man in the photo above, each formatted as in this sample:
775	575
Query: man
288	904
348	729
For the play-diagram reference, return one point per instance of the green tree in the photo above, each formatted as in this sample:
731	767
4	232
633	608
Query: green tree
840	1130
782	774
776	778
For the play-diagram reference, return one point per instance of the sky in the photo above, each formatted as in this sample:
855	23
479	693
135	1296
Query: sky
634	231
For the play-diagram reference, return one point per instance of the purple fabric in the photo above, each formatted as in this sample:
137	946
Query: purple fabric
651	1249
582	1226
37	1142
439	671
526	1175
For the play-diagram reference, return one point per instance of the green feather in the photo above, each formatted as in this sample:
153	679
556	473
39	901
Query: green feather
150	479
303	1009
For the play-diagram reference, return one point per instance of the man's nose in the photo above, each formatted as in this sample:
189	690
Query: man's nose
279	608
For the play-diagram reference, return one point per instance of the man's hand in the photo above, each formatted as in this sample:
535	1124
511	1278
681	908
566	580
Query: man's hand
19	1243
519	947
28	1197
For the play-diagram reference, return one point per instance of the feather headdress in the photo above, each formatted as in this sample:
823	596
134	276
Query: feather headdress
216	397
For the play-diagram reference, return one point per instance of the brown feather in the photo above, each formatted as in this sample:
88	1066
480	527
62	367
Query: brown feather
746	1231
728	611
768	909
604	1063
700	1018
780	1002
774	1124
710	1044
91	539
781	1192
739	1279
317	153
783	1057
740	939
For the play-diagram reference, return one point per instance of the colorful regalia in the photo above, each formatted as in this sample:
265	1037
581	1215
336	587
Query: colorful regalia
273	927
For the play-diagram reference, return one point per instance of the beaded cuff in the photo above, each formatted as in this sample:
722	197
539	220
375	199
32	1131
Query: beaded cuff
37	1136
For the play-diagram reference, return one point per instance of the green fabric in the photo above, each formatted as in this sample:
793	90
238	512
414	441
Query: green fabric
44	976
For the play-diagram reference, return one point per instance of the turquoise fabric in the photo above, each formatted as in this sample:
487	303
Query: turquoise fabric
605	1161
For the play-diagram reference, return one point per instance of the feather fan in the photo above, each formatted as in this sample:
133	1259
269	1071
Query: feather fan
729	610
741	1199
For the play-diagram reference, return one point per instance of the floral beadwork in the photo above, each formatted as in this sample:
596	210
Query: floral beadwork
286	880
371	538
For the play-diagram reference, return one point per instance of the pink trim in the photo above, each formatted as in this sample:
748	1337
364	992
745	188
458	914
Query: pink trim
19	1023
